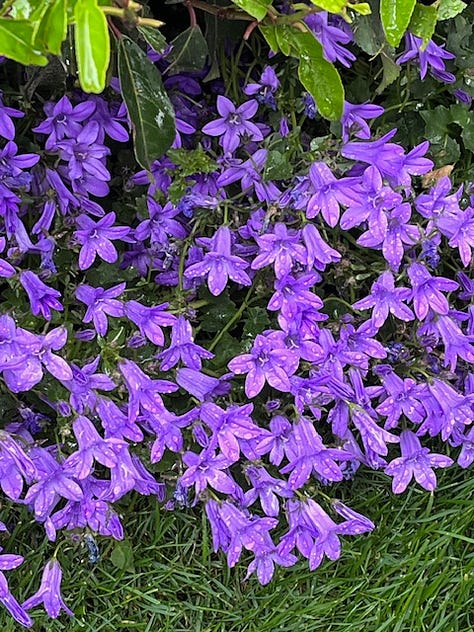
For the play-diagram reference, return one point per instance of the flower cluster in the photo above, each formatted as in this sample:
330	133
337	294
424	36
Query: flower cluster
238	338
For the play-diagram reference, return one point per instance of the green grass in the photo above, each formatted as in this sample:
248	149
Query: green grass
415	573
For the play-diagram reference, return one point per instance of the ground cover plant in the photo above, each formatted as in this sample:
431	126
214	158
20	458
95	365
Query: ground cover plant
234	289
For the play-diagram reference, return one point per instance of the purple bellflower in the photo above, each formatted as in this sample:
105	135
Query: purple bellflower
264	90
415	461
430	57
42	297
183	347
99	303
7	562
219	264
268	361
149	320
49	592
63	120
7	127
385	298
234	124
354	118
427	291
96	239
331	38
282	248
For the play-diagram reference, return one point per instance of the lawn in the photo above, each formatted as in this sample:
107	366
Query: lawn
414	573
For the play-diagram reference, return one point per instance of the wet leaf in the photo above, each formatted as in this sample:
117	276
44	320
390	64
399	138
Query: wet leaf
188	53
149	108
396	16
92	45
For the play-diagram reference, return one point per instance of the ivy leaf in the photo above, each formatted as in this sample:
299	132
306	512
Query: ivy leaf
423	22
396	16
277	166
189	51
149	108
450	8
256	8
153	37
92	45
52	29
16	42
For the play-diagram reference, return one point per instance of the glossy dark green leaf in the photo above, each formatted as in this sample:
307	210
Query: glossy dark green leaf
423	22
154	38
189	52
318	76
255	8
149	108
92	45
396	16
277	166
52	29
269	33
16	42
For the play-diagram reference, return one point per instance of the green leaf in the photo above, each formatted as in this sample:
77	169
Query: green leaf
468	135
154	38
284	35
149	108
189	51
391	71
423	22
277	166
318	76
52	29
122	556
363	8
256	321
396	16
333	6
255	8
16	42
450	8
270	34
92	45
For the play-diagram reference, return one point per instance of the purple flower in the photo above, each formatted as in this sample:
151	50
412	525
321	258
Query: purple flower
427	291
161	224
49	592
282	248
266	488
459	228
91	447
7	562
149	320
207	468
354	117
63	120
183	348
99	303
54	483
318	252
7	127
430	57
202	386
144	393
265	89
83	384
228	426
96	237
415	461
42	297
234	123
404	397
84	154
268	361
219	264
331	38
384	298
